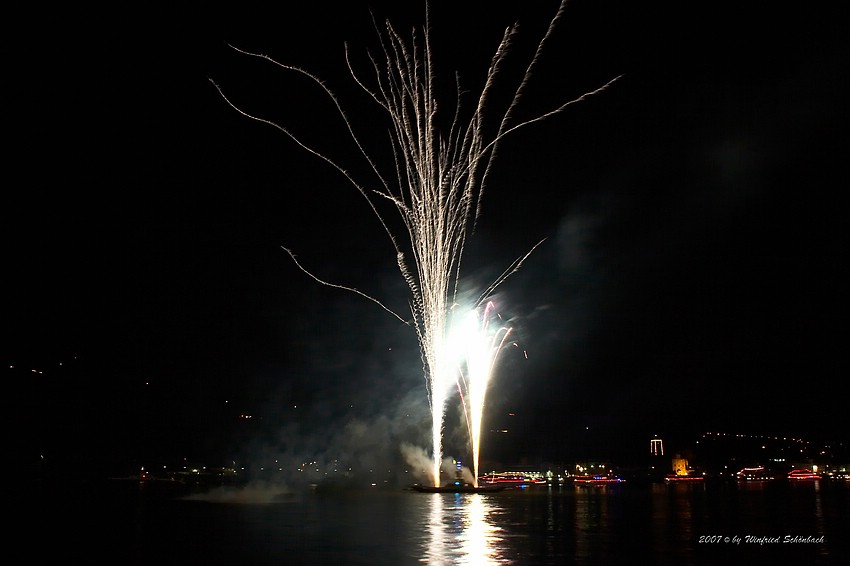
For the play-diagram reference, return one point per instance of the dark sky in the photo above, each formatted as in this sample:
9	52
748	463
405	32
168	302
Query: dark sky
693	276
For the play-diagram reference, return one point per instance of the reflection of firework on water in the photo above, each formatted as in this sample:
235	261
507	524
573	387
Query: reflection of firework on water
437	191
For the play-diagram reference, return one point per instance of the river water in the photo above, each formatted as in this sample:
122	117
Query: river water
775	522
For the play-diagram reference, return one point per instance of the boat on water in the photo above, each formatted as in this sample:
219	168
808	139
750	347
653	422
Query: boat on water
803	474
458	487
756	473
514	479
689	477
597	480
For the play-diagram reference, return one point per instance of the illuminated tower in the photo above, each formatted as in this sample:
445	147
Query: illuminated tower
656	447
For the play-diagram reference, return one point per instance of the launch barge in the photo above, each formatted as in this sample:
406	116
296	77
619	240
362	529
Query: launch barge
455	487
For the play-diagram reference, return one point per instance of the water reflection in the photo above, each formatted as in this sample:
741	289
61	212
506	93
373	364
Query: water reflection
820	523
436	540
675	513
461	530
591	518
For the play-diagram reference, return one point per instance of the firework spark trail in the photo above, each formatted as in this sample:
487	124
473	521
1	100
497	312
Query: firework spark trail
481	364
480	347
439	182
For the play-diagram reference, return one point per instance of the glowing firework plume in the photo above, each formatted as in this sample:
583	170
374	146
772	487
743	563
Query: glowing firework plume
480	345
437	191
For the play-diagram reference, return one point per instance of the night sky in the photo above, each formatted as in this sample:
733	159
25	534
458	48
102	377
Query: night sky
693	277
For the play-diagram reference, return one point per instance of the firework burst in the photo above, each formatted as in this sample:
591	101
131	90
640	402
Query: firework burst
437	187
